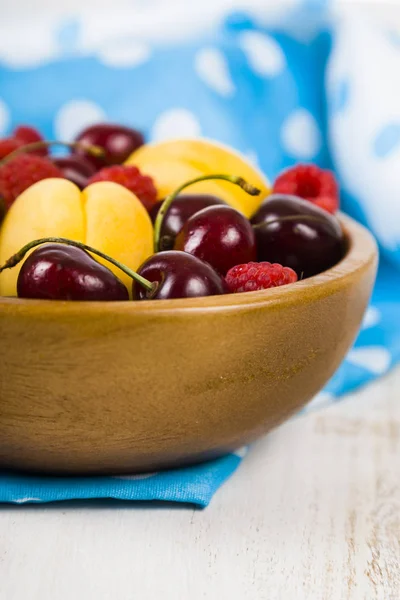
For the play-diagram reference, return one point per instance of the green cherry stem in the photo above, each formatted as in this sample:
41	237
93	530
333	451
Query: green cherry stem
16	258
96	151
247	187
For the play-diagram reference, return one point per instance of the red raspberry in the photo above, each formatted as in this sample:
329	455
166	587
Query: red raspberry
23	171
8	145
22	135
29	135
258	276
130	177
312	183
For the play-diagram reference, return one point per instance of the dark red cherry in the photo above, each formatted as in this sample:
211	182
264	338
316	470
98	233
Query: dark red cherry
181	209
219	235
310	243
118	142
178	275
75	168
60	272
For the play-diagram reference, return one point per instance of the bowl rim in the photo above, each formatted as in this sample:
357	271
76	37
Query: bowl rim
362	251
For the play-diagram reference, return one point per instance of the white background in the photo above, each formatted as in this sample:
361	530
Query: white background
167	11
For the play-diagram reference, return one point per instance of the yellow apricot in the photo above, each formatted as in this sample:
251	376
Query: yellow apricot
172	162
52	207
105	215
170	174
118	224
166	173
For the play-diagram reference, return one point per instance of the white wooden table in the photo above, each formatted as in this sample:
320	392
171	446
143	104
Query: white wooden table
313	513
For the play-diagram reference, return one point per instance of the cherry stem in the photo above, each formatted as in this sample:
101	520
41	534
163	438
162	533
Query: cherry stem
96	151
289	218
16	258
247	187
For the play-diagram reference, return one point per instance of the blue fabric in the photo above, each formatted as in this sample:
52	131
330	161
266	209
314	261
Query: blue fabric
303	91
195	485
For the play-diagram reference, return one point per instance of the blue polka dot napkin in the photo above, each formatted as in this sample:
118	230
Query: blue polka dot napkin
307	89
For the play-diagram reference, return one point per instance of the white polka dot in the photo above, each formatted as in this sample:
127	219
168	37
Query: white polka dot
372	358
371	318
75	116
124	53
363	56
38	47
135	477
241	452
319	401
211	66
264	54
252	157
300	135
174	123
4	117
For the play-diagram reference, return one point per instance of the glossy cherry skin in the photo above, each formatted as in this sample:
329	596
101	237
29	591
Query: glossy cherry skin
219	235
61	272
75	168
310	244
181	209
178	275
118	141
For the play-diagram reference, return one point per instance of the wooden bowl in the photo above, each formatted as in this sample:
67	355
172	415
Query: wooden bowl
104	387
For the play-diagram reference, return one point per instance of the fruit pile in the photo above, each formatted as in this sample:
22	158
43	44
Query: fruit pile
109	221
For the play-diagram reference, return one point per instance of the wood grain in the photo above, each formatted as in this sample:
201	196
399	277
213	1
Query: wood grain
124	387
311	514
